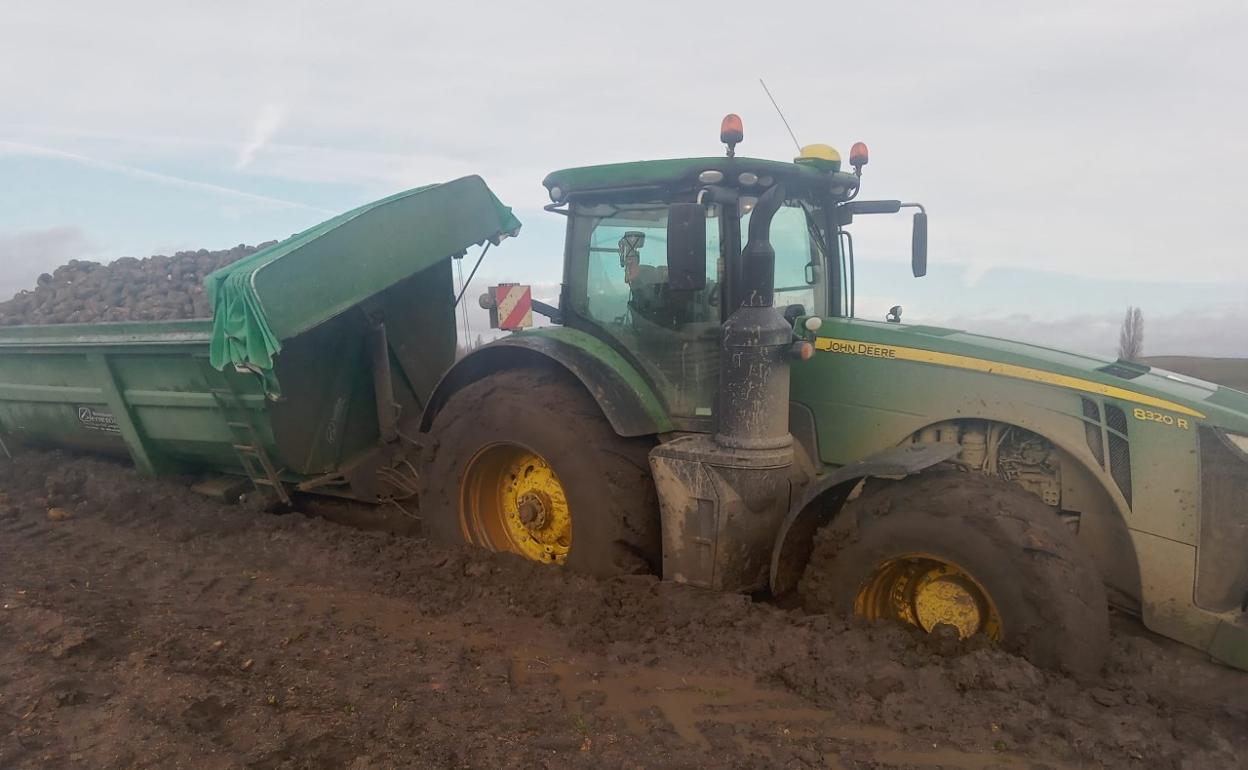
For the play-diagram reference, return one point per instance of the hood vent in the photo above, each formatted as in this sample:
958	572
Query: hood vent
1127	370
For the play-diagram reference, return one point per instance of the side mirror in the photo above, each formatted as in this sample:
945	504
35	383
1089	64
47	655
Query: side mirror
686	246
918	245
814	273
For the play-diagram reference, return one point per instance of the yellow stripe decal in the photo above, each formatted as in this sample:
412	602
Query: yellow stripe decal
877	350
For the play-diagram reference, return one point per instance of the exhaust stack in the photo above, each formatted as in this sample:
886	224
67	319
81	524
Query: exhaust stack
723	496
753	398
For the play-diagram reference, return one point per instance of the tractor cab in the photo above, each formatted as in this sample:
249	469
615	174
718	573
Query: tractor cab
620	283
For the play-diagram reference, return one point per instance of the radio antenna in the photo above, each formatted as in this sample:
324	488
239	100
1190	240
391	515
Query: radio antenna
781	114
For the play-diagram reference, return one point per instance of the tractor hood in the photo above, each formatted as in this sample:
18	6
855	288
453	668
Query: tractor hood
1130	382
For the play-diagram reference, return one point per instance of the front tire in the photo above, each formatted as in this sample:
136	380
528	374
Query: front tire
524	461
962	550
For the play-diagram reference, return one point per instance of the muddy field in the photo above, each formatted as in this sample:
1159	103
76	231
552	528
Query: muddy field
144	626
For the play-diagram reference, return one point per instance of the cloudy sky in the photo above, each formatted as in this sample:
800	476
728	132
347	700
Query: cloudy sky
1075	158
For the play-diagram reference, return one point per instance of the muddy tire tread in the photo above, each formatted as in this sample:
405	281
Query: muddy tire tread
626	516
1059	602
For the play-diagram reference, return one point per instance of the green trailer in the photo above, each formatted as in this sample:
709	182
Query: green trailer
319	348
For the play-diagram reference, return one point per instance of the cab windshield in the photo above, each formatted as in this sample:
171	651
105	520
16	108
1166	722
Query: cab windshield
617	281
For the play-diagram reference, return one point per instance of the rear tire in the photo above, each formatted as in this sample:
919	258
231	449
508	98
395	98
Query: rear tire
965	550
591	504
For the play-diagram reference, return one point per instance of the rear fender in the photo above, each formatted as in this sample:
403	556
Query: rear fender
626	399
824	497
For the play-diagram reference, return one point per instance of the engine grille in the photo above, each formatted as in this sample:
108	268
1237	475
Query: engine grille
1119	450
1092	430
1222	567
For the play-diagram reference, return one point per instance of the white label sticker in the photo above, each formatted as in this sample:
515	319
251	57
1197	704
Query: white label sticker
97	419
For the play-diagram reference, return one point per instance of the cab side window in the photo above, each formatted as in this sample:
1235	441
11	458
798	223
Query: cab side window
673	333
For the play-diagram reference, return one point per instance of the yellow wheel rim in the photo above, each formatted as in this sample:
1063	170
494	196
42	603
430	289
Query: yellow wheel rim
511	500
926	591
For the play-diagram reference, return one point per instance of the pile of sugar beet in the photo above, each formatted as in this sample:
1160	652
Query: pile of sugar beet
157	288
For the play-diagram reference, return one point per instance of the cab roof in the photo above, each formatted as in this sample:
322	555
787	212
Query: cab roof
682	173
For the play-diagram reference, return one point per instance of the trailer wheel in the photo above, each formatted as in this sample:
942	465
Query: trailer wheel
967	551
524	461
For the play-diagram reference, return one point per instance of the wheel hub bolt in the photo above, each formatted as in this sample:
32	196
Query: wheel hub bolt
532	511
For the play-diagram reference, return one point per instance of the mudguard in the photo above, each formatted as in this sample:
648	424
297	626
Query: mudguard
626	399
795	537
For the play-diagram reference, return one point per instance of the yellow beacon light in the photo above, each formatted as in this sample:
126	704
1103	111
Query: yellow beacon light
821	156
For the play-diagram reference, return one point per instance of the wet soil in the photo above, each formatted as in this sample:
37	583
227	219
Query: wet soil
142	625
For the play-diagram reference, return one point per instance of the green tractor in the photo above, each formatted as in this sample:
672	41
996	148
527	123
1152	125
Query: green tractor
707	406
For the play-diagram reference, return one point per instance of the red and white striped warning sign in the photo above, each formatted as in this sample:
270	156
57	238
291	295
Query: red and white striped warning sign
515	306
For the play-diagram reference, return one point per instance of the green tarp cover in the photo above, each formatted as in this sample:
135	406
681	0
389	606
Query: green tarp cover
309	278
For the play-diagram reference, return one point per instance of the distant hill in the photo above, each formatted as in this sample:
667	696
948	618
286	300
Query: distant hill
1231	372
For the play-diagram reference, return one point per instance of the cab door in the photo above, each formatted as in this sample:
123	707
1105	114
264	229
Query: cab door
671	335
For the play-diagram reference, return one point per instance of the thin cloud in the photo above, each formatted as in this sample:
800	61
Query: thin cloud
975	273
262	131
26	254
21	148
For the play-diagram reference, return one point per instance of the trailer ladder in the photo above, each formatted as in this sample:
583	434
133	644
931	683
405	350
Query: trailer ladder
245	439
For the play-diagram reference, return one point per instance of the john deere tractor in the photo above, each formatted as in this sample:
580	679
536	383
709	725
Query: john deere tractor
707	406
704	405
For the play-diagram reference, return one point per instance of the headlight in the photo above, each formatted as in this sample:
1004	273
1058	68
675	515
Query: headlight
1240	442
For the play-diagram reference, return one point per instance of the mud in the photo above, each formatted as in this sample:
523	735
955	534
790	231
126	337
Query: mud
157	288
145	626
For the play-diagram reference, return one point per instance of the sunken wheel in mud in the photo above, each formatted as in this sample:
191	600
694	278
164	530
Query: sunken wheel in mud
524	461
974	553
